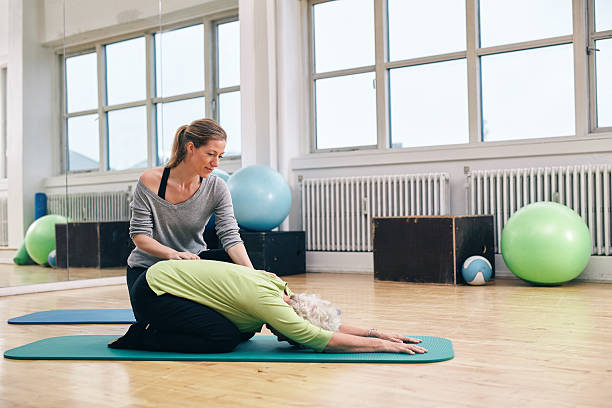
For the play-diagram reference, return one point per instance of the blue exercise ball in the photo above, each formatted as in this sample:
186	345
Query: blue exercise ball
52	258
221	174
476	270
261	197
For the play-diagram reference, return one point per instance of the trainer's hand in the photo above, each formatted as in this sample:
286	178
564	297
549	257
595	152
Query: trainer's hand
397	338
182	255
394	347
269	273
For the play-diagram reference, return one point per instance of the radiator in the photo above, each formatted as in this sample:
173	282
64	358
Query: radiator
102	206
337	212
3	221
585	189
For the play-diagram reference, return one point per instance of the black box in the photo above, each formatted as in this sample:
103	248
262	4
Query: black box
279	252
92	244
430	249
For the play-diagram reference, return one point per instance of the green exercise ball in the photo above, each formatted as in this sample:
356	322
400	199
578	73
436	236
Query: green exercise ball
546	243
40	237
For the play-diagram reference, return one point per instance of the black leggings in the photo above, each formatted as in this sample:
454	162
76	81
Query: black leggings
181	325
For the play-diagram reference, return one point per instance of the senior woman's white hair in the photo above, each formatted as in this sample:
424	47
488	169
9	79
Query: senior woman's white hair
317	311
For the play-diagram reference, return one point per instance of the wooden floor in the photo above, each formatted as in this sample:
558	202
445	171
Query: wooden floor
515	346
16	275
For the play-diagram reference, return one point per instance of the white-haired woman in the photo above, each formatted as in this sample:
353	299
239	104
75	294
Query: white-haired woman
203	306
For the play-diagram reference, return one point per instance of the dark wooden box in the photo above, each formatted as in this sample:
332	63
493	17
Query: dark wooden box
92	244
430	249
280	252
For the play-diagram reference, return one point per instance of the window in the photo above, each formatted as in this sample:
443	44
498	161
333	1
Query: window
401	74
82	123
601	46
126	116
126	94
344	79
228	84
527	90
427	98
179	68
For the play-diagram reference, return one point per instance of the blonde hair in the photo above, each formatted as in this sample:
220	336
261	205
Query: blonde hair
317	311
199	132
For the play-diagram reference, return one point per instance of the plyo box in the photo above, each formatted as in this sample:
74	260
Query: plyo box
279	252
92	244
430	249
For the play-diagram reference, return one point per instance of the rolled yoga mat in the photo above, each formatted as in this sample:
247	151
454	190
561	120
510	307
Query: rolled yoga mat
77	316
259	348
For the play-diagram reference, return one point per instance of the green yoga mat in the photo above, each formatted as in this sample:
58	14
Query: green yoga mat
259	348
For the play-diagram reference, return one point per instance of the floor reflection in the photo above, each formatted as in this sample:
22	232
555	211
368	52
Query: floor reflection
16	275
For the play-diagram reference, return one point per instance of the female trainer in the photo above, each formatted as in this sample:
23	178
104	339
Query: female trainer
173	204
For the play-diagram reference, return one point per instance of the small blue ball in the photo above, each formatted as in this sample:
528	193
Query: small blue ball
476	270
52	259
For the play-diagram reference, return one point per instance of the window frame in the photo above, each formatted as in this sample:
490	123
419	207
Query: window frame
584	76
209	93
591	52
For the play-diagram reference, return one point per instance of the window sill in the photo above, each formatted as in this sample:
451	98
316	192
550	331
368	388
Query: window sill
111	177
594	143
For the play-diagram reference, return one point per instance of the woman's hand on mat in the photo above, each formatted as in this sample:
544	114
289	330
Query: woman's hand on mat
393	347
182	255
397	338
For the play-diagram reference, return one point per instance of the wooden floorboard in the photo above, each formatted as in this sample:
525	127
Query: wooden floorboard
515	346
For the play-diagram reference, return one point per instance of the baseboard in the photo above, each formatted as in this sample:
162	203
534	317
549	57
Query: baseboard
339	262
64	285
7	255
599	268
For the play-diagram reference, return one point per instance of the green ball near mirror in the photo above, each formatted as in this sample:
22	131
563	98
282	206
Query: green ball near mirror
546	243
40	237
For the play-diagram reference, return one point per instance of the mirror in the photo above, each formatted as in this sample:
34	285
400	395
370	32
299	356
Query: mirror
84	133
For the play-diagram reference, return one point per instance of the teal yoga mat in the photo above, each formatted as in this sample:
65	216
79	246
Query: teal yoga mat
259	348
77	316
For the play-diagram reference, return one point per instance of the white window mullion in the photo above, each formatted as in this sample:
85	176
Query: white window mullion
382	82
581	68
63	117
210	68
151	114
102	123
473	71
312	147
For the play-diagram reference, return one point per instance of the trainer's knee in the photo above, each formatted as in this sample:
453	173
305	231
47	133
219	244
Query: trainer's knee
227	343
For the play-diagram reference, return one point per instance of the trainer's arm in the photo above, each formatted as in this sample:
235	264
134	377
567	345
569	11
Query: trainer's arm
348	343
153	247
239	255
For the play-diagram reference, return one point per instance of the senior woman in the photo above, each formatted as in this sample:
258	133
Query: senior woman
204	306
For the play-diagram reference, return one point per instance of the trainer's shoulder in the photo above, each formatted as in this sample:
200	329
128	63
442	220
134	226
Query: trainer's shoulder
152	177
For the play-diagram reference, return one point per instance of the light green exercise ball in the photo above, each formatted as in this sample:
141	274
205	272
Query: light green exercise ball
546	243
40	237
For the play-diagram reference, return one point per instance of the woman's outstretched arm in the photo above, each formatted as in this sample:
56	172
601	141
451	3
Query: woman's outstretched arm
356	331
348	343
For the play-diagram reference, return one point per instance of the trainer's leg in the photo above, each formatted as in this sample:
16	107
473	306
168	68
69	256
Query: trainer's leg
131	275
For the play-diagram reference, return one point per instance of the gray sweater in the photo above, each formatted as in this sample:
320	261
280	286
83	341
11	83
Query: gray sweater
181	226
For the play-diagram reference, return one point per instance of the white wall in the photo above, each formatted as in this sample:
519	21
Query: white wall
4	30
31	114
89	20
